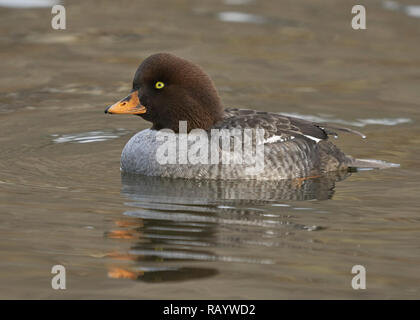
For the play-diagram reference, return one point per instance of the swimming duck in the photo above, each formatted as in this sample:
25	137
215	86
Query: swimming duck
169	91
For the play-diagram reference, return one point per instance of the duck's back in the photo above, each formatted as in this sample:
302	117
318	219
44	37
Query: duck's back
293	147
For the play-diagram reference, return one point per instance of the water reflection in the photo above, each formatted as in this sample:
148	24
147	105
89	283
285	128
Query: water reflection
173	226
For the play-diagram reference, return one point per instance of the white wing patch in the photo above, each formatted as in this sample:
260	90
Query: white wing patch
274	139
313	138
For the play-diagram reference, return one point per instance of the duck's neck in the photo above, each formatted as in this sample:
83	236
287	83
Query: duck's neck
195	119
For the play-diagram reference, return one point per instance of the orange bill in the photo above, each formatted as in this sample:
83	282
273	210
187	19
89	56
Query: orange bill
129	105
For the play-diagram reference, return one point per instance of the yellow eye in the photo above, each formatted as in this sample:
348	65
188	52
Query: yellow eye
159	85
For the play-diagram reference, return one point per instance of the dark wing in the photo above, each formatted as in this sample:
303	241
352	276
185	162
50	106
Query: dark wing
295	147
279	125
277	128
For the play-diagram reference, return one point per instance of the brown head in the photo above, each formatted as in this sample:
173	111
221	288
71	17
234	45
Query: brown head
168	89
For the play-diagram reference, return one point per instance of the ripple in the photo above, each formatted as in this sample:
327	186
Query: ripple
184	255
356	123
71	88
166	230
161	274
237	2
182	217
91	136
409	10
241	17
28	3
412	11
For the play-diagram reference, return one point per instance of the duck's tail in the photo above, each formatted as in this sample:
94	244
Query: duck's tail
352	163
371	164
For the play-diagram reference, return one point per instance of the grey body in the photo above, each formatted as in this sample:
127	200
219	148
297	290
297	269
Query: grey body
282	161
291	154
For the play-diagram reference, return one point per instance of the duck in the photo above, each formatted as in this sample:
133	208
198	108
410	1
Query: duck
182	104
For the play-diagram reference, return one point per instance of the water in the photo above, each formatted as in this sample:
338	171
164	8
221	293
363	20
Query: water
64	201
